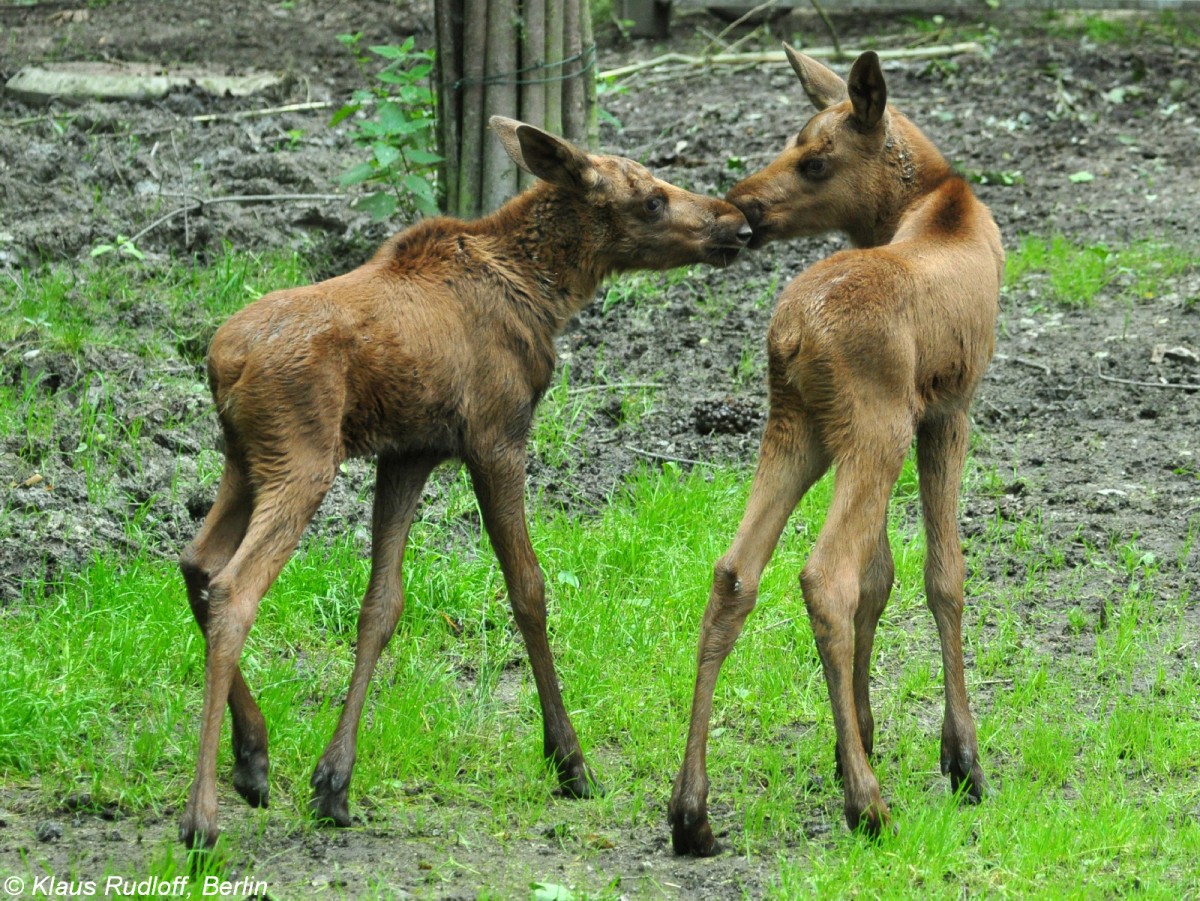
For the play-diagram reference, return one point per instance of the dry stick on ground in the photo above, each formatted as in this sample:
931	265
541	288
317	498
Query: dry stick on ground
615	386
774	56
837	45
1182	386
269	111
201	202
663	458
720	38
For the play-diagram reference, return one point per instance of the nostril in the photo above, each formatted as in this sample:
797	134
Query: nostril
745	233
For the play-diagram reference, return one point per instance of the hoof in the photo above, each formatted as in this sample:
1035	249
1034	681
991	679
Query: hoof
966	776
691	835
198	833
330	798
580	787
250	780
872	822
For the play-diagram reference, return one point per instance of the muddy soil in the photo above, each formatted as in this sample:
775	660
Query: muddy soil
1085	426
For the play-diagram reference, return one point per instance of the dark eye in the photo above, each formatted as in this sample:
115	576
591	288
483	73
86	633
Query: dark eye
814	167
655	205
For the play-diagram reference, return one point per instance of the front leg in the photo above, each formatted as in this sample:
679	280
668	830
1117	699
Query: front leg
499	482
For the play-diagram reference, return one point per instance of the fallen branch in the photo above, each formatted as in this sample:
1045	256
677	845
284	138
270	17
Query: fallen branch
1183	386
777	56
200	202
617	386
663	458
1032	364
271	111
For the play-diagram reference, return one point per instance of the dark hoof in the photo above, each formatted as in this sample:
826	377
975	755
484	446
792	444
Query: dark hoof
330	798
691	835
250	780
871	823
966	777
196	835
580	787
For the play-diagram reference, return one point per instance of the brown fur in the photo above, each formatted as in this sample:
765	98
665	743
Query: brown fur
867	350
439	347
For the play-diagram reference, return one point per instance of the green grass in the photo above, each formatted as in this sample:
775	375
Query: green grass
1121	29
1076	275
1087	708
1092	752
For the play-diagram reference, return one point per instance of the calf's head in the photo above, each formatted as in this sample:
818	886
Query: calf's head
844	171
628	219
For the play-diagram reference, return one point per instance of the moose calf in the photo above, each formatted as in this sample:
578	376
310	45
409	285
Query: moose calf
439	347
866	349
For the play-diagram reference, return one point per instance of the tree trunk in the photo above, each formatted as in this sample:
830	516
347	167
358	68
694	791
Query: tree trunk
532	104
528	59
470	158
448	18
500	99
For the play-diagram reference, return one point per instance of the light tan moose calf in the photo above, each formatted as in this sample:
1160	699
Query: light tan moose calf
867	349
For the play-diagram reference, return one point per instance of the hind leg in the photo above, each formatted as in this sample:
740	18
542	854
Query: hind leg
941	452
398	487
833	582
499	481
873	597
202	560
281	511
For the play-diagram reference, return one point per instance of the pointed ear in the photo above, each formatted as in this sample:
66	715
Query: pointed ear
823	86
542	154
868	91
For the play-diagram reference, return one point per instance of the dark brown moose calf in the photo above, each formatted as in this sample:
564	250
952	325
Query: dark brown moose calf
439	347
867	349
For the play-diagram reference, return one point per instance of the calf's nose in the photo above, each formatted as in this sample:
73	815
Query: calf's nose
745	233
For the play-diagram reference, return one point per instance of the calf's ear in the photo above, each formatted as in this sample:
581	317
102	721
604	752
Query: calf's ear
542	154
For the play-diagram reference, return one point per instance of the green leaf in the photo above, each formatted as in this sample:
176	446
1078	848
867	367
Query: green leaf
566	577
1081	177
391	115
345	112
357	174
551	891
420	157
378	206
385	154
419	186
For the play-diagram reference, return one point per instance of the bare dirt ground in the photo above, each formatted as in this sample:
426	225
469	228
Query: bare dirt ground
1103	462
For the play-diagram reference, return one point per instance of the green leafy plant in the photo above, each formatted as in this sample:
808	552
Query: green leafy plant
400	133
123	245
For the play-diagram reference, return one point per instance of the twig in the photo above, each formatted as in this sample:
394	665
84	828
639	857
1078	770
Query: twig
33	120
777	56
1185	386
837	45
616	386
271	111
1033	364
663	458
199	203
720	38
